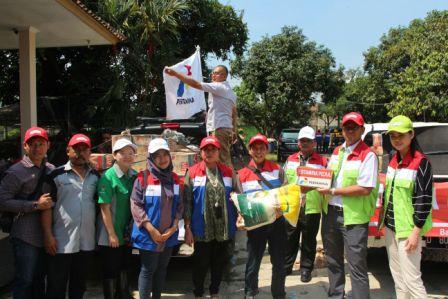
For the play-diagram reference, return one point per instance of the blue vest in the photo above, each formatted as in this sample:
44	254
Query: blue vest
198	178
140	236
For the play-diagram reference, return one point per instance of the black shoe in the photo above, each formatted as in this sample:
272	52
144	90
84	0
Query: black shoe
123	291
305	276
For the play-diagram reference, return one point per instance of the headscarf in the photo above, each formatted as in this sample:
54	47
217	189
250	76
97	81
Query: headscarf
164	175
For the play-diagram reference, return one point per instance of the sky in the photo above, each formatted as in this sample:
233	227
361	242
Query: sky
347	27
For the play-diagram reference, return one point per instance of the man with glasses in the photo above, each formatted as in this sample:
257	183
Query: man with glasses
311	207
221	116
351	203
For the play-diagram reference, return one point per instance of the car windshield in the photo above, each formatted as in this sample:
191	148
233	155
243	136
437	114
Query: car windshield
290	135
433	141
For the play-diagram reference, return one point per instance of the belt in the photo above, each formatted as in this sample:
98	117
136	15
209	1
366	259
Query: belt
337	208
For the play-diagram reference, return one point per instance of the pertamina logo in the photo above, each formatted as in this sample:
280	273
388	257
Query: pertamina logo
182	86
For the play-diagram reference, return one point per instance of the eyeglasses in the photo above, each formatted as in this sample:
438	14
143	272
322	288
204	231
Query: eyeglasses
351	128
217	73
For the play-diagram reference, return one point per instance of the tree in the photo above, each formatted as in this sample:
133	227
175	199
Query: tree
109	86
407	73
362	93
280	75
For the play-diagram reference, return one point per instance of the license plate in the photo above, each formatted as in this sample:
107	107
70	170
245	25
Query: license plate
434	242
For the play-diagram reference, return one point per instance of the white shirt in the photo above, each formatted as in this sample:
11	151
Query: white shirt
221	100
367	172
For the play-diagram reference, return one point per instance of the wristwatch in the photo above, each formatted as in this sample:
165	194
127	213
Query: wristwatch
35	206
332	191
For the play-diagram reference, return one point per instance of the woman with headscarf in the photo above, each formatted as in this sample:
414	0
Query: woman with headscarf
407	208
156	208
210	216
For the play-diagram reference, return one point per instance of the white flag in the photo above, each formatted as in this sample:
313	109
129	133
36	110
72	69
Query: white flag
182	100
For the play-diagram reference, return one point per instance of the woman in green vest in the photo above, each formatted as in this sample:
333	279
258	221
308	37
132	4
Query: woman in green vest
406	208
114	191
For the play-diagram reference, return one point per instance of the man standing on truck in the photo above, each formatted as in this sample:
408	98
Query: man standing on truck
351	204
221	115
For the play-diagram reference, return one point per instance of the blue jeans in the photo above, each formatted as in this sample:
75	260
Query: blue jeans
275	235
29	281
153	272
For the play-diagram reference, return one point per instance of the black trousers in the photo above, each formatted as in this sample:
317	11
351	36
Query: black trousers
308	227
71	268
115	260
209	255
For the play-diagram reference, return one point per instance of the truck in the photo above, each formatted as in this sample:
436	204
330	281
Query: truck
432	138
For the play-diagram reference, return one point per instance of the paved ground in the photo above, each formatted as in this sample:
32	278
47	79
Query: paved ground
178	283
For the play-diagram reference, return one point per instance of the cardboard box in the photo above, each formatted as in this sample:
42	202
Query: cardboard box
182	157
314	178
101	162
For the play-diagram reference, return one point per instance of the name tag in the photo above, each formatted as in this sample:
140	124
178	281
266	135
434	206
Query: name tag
199	181
153	190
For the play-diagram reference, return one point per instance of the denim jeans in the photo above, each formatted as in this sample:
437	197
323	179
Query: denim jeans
71	268
153	272
29	281
275	235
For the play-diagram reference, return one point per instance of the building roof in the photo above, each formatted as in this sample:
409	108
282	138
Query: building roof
58	23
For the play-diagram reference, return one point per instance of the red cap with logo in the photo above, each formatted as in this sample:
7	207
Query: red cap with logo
35	132
353	117
79	138
210	140
258	138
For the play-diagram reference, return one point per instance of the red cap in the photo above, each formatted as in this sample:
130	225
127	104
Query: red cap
258	138
35	132
353	117
210	140
79	138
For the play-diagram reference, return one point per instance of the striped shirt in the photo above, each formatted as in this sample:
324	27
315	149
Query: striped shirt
421	197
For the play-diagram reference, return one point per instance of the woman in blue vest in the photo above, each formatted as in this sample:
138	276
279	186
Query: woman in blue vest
406	208
210	216
156	208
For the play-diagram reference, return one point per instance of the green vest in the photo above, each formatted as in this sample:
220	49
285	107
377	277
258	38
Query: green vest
403	179
357	209
314	200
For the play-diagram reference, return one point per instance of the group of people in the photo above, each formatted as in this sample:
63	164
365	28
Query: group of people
63	214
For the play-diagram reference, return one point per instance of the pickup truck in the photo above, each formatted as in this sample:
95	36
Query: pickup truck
433	141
